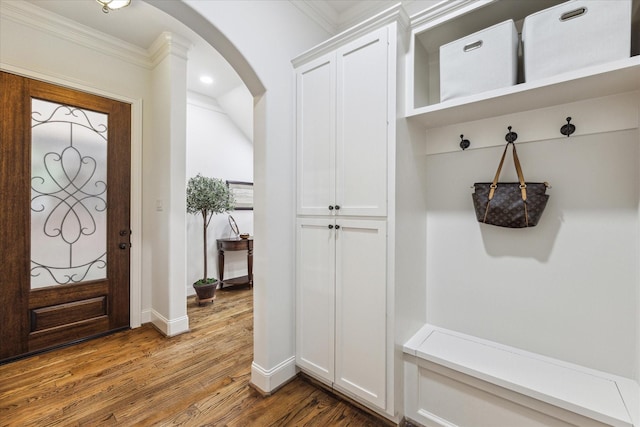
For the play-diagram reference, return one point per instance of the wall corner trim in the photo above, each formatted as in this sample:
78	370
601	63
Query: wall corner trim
268	380
168	43
168	327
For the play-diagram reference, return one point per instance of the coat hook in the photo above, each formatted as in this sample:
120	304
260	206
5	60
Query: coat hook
464	143
568	129
511	136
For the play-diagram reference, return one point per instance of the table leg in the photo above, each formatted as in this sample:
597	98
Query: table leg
250	266
221	266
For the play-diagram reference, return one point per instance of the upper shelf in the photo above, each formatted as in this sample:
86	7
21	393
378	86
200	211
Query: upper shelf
452	19
593	82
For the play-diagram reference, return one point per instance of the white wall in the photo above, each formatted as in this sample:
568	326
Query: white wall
265	36
217	148
567	288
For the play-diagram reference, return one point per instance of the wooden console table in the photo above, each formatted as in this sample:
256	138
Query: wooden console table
235	244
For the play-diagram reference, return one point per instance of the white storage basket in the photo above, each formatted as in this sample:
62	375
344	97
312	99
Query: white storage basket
575	34
479	62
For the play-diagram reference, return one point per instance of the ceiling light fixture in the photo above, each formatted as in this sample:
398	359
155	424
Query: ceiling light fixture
108	5
206	80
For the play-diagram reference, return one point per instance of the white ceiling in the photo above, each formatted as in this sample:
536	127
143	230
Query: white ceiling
141	23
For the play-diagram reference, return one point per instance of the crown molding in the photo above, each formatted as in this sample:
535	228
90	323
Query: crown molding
445	10
361	11
334	22
394	14
41	20
320	12
166	44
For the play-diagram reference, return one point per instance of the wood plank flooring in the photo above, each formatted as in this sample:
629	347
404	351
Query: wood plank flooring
141	378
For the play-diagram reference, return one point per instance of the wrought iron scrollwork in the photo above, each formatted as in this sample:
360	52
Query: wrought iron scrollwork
69	193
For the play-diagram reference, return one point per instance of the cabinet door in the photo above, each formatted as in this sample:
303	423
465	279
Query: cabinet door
315	296
315	135
361	295
362	125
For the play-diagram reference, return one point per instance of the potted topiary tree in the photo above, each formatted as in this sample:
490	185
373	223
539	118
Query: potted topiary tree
207	196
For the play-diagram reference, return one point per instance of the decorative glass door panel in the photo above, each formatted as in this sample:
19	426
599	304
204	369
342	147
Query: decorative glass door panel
65	186
68	194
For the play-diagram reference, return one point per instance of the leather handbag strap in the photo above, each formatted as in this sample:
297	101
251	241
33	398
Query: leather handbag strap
516	162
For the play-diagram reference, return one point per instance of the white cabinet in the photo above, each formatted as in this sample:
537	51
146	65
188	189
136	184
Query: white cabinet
361	286
341	304
449	21
315	296
315	135
342	129
345	131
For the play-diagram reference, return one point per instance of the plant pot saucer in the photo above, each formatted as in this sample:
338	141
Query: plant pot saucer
205	300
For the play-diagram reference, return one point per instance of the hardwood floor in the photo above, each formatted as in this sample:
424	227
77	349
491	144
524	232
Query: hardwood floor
139	377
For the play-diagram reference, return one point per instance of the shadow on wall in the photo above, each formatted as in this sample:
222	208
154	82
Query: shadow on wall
593	181
535	242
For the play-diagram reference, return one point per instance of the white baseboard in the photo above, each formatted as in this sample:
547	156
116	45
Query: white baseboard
268	380
434	420
145	316
169	327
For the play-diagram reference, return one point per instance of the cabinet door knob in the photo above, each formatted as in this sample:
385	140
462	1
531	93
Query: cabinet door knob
337	227
330	227
330	207
337	207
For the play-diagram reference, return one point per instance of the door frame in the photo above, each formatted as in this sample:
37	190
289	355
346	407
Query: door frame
135	253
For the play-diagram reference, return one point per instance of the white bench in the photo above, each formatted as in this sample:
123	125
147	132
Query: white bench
595	395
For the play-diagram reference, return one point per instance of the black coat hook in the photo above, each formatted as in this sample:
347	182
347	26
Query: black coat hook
464	143
568	129
511	136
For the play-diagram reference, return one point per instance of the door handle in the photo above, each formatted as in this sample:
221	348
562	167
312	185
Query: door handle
124	246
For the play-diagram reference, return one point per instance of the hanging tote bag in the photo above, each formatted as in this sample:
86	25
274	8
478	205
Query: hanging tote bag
510	204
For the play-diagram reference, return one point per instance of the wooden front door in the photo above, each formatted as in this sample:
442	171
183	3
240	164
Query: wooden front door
64	215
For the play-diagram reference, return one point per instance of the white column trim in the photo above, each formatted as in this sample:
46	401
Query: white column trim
168	43
168	327
268	380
